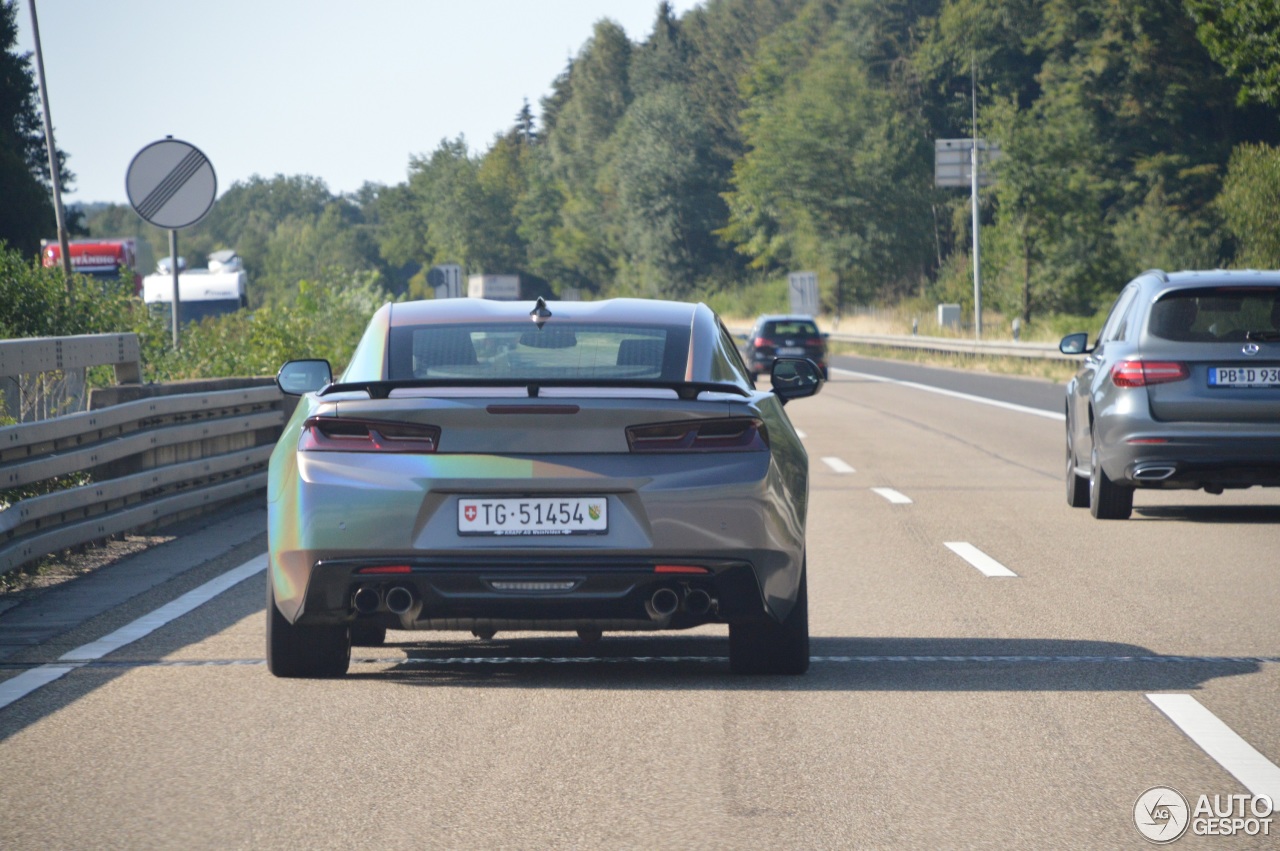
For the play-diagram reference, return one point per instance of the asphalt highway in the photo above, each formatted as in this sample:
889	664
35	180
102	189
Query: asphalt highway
991	669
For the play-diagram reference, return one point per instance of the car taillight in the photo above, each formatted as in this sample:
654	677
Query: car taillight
1140	373
332	434
384	569
760	342
739	434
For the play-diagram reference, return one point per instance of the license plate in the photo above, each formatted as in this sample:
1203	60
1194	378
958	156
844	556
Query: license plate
790	351
567	515
1244	376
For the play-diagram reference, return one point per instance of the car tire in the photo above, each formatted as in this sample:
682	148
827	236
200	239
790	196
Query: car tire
1077	485
365	634
769	647
1107	499
305	651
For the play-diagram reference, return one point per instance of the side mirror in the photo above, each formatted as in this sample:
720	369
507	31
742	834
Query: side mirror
303	376
1075	344
795	378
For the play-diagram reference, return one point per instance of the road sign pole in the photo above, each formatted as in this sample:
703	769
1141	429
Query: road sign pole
173	265
977	264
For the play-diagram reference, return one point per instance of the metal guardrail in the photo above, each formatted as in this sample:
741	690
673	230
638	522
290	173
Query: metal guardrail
44	377
147	460
954	345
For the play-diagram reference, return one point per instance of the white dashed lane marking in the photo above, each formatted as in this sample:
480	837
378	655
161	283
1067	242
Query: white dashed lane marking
976	557
838	465
892	495
1257	773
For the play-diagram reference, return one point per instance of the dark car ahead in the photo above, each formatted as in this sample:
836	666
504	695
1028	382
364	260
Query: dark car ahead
1181	390
785	336
492	466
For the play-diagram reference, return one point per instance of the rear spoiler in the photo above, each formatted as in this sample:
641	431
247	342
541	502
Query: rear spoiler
683	389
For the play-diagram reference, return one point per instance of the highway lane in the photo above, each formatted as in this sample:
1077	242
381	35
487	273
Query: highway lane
944	708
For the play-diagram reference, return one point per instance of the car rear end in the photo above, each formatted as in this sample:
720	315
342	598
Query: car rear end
614	504
1203	407
786	337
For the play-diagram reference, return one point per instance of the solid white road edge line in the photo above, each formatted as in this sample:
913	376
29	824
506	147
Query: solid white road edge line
976	557
1258	774
149	623
838	465
20	686
954	394
892	495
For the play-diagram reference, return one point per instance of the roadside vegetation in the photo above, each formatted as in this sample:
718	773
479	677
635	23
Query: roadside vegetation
738	142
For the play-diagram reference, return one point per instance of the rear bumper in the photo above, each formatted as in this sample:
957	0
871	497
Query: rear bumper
569	593
1191	455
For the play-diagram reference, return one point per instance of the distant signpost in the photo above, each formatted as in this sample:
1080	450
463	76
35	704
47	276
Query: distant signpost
803	290
171	184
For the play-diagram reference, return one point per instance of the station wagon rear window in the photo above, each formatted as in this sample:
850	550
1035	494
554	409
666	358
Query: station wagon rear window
557	350
1216	314
790	328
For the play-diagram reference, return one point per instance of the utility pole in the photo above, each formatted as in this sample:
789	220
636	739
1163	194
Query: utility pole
973	190
63	241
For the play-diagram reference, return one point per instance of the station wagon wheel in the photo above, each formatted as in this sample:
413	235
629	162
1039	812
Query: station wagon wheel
305	651
1077	485
769	647
1107	500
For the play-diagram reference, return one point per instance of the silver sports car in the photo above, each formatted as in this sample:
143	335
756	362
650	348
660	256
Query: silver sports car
1180	390
581	466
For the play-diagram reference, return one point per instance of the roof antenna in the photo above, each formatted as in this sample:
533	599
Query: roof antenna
540	314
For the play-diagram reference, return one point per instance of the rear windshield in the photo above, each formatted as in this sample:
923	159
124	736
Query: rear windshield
561	351
1226	314
790	328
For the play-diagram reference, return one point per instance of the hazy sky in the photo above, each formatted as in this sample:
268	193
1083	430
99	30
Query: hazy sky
344	91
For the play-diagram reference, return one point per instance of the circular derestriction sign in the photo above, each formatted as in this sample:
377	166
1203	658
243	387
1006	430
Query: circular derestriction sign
171	184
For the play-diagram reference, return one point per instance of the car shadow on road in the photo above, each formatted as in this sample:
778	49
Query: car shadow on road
1217	514
838	664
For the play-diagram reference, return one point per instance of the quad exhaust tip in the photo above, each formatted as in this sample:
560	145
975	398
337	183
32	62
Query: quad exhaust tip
697	602
664	602
367	600
399	600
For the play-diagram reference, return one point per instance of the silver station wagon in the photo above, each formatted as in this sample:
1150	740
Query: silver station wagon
491	466
1180	390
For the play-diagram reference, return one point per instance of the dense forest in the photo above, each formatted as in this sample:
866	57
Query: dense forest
748	138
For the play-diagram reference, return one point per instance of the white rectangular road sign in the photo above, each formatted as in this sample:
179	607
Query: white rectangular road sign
803	290
952	158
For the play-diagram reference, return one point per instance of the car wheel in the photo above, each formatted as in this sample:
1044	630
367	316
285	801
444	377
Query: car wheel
1107	499
365	634
305	651
1077	485
768	647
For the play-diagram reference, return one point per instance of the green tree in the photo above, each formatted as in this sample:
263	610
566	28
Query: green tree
667	206
1249	201
26	214
837	172
1244	36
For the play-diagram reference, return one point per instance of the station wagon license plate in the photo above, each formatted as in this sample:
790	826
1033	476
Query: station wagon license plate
1244	376
570	515
790	351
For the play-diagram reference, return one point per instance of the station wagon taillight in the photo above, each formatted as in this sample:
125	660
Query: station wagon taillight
334	434
1140	373
739	434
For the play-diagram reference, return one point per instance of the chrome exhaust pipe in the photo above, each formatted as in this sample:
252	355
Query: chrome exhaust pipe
697	602
366	600
399	600
664	602
1154	473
